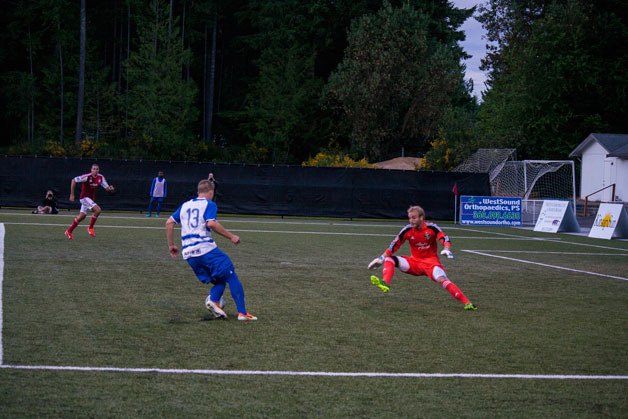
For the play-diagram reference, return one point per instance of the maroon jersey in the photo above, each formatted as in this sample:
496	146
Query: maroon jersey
422	241
90	184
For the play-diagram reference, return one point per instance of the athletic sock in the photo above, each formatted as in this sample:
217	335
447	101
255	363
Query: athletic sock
388	271
92	221
73	225
455	292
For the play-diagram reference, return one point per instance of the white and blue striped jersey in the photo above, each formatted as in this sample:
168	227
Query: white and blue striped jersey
196	237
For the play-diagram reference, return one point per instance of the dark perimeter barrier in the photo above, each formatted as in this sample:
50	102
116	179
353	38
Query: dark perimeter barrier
244	189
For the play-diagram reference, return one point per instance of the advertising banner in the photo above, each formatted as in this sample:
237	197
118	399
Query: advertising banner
611	221
490	210
557	216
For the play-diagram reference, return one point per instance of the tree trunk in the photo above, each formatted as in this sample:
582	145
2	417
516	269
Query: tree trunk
31	107
97	115
61	91
204	134
81	84
128	62
170	18
186	73
211	81
115	73
156	12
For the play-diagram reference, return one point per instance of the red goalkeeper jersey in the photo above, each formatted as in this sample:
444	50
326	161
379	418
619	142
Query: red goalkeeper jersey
422	241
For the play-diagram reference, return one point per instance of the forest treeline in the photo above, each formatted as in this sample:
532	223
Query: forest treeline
282	81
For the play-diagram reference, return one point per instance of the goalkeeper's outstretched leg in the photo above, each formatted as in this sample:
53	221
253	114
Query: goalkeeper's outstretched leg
454	291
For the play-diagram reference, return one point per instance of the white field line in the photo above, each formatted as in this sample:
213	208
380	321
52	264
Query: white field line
550	239
318	373
584	244
1	287
545	265
549	253
227	218
396	225
500	236
322	233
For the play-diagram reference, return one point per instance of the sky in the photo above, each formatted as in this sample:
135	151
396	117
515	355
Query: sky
474	45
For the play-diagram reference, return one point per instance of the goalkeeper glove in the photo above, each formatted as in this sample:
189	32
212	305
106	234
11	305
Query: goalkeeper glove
377	262
448	253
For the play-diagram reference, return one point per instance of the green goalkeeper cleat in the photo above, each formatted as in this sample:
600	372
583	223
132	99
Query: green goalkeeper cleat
470	307
380	284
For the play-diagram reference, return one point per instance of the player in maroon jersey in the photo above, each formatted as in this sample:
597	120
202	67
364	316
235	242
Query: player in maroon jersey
422	237
90	182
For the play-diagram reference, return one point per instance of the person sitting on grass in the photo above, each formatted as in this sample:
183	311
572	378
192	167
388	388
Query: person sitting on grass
48	204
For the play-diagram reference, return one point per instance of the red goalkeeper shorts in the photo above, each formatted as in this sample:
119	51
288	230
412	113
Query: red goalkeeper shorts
431	267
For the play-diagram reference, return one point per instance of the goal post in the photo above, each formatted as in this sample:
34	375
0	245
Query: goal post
532	180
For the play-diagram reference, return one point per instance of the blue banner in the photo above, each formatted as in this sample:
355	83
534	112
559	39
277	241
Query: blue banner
490	210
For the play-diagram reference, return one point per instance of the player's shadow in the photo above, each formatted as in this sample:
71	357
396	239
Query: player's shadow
210	317
179	318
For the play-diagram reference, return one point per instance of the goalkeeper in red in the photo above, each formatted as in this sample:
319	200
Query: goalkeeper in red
422	237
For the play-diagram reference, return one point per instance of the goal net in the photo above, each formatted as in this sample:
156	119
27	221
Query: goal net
536	179
487	160
532	180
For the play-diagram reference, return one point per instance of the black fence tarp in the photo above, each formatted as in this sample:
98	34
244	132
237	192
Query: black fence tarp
245	189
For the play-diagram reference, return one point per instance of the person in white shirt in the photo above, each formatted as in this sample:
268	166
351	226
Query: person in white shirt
158	192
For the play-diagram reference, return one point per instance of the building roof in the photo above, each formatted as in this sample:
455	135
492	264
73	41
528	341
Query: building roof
400	163
615	144
621	152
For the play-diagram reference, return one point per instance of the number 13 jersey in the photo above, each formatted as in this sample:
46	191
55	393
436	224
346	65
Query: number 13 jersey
196	237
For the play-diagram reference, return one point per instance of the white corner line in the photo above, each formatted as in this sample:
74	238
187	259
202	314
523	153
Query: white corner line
1	286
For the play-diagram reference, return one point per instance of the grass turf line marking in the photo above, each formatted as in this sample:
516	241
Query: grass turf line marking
546	265
318	373
322	233
1	286
549	239
551	253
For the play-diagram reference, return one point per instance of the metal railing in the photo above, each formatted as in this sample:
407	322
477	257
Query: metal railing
586	198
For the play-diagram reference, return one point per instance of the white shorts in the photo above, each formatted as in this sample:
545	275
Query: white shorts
87	204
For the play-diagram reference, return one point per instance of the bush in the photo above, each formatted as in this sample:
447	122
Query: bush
324	159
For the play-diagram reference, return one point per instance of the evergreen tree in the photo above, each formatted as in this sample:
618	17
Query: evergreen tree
557	73
397	79
283	114
161	102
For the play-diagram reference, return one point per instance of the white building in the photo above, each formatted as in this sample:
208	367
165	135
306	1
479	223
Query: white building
604	160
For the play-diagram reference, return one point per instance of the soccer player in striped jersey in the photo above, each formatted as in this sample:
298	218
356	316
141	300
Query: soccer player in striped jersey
89	184
422	237
197	218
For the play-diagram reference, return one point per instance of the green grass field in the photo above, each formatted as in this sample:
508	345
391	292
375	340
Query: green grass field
113	327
